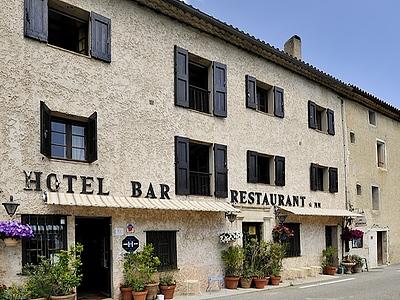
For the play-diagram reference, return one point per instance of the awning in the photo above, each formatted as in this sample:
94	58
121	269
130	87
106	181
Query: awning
141	203
325	212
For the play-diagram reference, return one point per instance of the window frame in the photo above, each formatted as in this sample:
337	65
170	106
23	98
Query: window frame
371	112
294	241
357	243
381	143
374	207
172	251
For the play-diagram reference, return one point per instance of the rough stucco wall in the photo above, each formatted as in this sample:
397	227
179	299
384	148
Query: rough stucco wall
136	139
363	170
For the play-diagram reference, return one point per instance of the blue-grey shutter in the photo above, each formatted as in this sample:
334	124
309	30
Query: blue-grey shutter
221	171
279	110
182	184
36	19
312	115
331	121
279	170
219	90
252	175
181	77
251	92
333	180
313	177
92	138
45	130
101	37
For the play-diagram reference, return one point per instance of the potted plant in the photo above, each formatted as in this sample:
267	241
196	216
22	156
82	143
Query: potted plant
357	268
13	292
328	262
149	265
65	274
233	261
39	280
12	231
247	276
348	263
257	256
139	291
277	254
167	286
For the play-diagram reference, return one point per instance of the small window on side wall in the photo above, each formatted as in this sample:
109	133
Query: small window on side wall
358	189
381	154
372	117
375	198
68	137
352	137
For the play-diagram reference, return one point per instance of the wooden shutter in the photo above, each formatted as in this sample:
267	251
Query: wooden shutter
181	77
278	102
333	180
45	130
331	121
313	177
252	175
279	171
219	90
36	20
251	92
101	37
312	115
92	138
221	171
182	184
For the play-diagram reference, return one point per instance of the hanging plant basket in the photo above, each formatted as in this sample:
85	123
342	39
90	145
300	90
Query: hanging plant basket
9	242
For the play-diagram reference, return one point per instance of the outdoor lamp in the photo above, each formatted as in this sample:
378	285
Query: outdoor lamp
231	216
11	206
282	219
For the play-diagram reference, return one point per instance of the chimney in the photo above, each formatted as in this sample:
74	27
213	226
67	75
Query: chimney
293	46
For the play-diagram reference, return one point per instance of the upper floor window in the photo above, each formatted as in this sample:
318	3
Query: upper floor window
323	178
66	26
375	198
199	82
193	172
358	189
381	154
263	97
68	137
372	117
262	168
352	137
320	118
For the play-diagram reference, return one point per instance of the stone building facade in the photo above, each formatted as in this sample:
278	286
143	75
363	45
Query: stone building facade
154	120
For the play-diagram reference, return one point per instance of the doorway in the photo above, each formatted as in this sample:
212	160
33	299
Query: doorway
381	248
94	235
331	239
251	231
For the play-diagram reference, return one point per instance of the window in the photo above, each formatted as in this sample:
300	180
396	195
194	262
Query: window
262	168
164	243
293	243
352	137
68	137
357	243
358	188
320	118
50	236
66	26
263	97
375	198
372	117
381	154
193	173
323	178
199	82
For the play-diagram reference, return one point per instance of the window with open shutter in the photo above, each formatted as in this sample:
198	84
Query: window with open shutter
279	171
252	175
92	138
221	171
313	177
36	18
182	185
45	129
278	102
312	115
331	121
219	90
181	77
333	180
251	95
101	37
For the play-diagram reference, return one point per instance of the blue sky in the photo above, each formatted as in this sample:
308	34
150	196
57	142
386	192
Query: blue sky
357	41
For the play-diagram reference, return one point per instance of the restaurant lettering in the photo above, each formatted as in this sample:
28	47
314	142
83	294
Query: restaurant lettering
266	199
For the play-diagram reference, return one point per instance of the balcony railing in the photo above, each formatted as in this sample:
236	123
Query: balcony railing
199	183
199	99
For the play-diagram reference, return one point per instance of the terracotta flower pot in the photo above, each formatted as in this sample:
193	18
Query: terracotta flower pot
152	290
10	242
260	283
67	297
139	295
231	282
329	270
357	268
126	293
245	282
39	299
275	280
168	291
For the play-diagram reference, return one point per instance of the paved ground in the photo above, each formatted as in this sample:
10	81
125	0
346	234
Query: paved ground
377	284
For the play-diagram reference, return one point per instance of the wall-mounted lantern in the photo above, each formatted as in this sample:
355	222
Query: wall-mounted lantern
231	216
11	206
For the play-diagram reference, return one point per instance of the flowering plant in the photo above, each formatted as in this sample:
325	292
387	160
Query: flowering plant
351	234
281	233
357	234
15	230
227	237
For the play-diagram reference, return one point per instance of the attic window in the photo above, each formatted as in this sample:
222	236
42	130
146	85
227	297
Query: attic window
372	117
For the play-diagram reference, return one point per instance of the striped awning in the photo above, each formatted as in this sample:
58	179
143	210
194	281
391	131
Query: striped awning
140	203
322	212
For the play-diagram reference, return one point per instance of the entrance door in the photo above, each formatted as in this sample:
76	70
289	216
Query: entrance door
380	247
94	235
331	238
251	231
